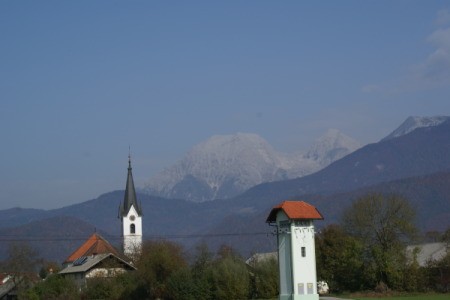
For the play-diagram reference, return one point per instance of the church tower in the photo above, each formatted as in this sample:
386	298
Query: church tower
131	214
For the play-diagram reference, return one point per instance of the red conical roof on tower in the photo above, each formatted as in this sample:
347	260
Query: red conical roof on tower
295	210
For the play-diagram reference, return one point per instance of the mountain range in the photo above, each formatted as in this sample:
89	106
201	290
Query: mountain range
415	164
227	165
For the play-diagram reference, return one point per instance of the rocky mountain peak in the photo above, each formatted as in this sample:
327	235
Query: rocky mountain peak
414	122
231	147
332	146
226	165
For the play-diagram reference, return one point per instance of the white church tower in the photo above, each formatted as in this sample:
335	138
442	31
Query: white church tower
296	250
131	215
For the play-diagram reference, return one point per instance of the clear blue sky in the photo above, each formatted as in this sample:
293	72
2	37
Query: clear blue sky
80	81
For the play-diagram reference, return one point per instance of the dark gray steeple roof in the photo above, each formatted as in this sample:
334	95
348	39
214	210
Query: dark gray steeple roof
130	195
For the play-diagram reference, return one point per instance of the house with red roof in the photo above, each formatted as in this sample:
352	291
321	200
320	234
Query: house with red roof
94	245
95	258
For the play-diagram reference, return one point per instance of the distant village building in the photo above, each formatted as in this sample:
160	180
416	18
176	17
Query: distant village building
424	254
257	258
93	259
296	250
131	215
105	265
94	245
8	290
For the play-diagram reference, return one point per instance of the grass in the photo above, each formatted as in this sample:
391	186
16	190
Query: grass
398	297
410	297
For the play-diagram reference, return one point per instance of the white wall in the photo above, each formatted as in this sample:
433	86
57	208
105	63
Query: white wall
304	267
297	272
104	272
132	242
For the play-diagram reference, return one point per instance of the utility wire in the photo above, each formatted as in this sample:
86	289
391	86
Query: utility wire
36	238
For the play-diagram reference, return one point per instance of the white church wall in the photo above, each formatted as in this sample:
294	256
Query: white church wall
132	241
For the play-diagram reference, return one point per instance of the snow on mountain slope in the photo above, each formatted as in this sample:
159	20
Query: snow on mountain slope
226	165
415	122
331	147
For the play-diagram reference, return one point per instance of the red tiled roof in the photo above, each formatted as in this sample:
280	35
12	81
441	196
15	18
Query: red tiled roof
94	245
295	210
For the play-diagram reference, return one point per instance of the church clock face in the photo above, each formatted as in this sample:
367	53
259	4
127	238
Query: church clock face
132	218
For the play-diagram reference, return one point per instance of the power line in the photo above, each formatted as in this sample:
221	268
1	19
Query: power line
36	238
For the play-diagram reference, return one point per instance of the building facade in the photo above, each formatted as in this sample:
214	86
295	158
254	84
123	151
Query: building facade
296	249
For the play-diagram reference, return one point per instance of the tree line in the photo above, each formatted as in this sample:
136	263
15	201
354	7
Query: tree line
164	272
365	251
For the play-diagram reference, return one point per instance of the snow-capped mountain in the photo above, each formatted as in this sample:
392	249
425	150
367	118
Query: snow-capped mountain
331	147
414	122
226	165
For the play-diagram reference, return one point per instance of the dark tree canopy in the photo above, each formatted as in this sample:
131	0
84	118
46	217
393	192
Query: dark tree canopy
381	220
339	259
22	258
384	224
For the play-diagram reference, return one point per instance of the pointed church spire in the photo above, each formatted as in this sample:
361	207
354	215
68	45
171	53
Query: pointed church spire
130	194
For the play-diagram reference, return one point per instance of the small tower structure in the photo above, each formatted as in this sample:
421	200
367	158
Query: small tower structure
296	250
131	215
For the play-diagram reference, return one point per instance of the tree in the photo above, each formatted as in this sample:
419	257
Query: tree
439	274
446	237
54	287
200	272
22	258
202	260
49	268
103	288
157	262
182	285
414	275
339	258
229	276
265	278
383	224
22	264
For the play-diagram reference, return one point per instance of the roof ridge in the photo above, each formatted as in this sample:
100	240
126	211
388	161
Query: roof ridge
95	244
295	210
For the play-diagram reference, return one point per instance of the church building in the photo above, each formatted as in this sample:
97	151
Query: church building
131	215
97	257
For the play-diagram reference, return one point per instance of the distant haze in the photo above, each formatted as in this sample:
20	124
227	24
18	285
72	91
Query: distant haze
82	81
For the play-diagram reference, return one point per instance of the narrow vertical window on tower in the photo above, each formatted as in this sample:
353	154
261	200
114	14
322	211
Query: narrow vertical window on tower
132	229
303	252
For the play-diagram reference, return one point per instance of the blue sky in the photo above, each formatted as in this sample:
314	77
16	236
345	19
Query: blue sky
81	81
